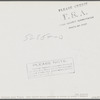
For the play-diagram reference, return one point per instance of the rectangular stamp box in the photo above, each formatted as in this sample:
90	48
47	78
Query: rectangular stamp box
51	67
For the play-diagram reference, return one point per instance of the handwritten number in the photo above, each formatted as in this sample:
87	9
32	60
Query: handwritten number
28	37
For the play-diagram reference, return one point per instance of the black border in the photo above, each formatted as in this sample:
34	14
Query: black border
50	0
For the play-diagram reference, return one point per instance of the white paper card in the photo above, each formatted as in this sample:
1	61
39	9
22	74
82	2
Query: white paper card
49	49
